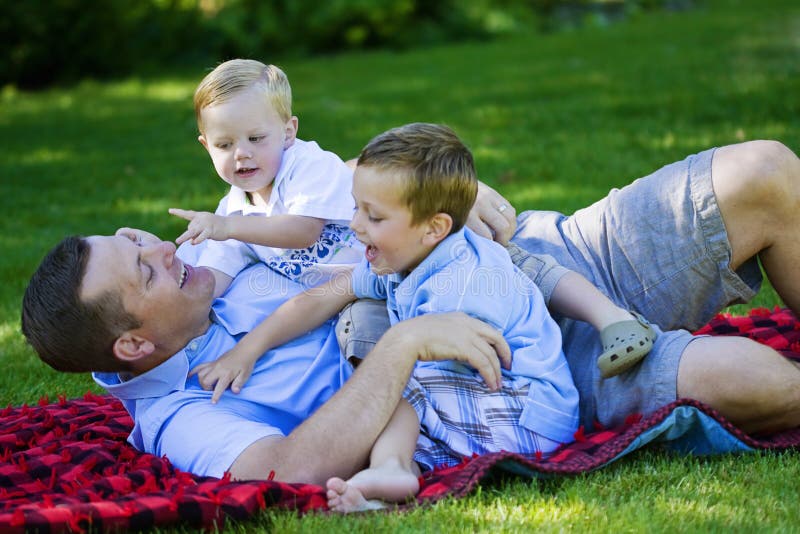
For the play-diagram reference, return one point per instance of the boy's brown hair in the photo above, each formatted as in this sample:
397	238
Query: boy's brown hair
236	75
439	168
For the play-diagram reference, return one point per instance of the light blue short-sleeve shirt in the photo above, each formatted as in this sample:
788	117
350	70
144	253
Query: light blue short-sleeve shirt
174	416
468	273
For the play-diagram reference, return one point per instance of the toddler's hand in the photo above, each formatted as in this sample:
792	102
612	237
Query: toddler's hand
232	369
202	225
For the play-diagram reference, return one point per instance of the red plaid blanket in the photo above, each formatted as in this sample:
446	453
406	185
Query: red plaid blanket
66	465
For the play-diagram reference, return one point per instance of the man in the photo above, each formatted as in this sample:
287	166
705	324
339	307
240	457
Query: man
163	321
756	187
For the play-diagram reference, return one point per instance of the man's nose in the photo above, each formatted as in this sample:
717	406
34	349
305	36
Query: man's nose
163	251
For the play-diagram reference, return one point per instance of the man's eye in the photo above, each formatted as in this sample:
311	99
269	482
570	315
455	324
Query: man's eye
151	276
374	219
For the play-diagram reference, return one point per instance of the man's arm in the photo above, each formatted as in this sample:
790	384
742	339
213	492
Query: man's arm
337	438
492	216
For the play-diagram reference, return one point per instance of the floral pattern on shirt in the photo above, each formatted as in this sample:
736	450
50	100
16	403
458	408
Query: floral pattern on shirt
301	264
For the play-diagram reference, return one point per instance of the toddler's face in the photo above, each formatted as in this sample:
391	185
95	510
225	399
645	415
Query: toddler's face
383	222
246	138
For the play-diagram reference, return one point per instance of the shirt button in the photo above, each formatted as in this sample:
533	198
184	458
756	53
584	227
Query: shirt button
193	345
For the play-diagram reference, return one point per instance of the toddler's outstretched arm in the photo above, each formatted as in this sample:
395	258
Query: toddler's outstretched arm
281	231
296	316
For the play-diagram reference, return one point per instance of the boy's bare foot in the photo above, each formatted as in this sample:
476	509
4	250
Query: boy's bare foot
345	498
387	483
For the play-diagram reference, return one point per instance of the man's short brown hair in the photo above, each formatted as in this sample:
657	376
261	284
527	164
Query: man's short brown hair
67	333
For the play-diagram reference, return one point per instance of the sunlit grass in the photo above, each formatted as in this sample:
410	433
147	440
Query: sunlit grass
554	121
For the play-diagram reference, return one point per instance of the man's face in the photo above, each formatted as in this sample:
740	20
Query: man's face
172	300
246	139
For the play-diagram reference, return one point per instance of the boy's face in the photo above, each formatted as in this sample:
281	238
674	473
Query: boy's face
246	139
383	223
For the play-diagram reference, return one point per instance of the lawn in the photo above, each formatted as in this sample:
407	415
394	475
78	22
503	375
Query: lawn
554	120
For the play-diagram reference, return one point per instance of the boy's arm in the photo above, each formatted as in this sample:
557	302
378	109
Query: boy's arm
337	438
280	231
293	318
577	298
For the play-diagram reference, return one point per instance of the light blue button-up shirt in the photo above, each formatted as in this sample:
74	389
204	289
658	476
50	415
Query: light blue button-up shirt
468	273
174	416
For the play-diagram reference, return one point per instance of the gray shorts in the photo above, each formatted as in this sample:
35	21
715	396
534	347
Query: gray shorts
361	324
657	246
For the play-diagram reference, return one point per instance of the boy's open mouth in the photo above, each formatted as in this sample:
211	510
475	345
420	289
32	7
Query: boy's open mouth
371	253
246	171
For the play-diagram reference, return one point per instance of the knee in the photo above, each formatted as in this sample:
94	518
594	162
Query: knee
769	168
766	173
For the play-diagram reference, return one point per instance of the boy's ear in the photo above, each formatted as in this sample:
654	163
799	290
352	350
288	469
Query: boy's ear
291	132
131	348
439	227
203	141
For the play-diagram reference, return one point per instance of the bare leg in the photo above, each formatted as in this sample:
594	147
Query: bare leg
750	384
757	185
392	474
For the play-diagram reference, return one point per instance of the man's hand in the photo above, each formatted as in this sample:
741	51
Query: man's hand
232	369
457	336
138	236
202	225
492	216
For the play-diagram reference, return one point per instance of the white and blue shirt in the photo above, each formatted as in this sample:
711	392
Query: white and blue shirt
311	182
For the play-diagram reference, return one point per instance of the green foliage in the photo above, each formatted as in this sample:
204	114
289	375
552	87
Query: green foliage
47	41
58	41
64	40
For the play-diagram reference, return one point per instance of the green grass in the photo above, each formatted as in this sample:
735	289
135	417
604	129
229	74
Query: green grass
554	122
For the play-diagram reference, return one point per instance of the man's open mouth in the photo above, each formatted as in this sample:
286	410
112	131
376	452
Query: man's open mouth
184	276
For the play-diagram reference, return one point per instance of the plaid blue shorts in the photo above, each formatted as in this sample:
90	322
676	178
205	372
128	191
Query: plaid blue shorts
459	416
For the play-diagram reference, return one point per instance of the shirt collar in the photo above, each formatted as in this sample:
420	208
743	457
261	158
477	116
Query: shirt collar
168	376
448	250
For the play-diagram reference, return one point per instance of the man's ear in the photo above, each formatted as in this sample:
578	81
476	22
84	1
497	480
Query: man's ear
439	227
203	141
290	129
131	348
